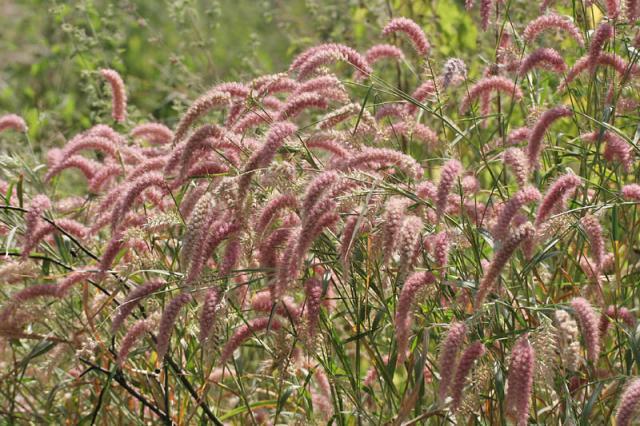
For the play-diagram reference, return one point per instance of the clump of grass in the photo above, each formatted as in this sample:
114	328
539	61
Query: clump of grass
299	247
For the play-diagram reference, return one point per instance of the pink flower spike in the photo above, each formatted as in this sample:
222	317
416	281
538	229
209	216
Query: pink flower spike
118	94
628	406
34	291
441	249
337	116
520	381
310	60
421	94
409	241
404	314
448	175
546	58
393	217
37	206
278	133
412	30
615	312
607	59
156	133
273	83
537	133
286	307
383	51
512	206
328	142
589	326
244	332
383	157
210	306
615	148
29	293
447	359
298	103
593	229
132	191
347	240
613	8
500	259
271	209
415	131
218	231
132	300
167	321
320	84
313	303
134	334
468	358
197	141
517	161
86	166
321	399
109	254
554	196
67	282
95	142
485	14
632	10
487	85
470	185
233	88
603	33
13	122
518	135
552	21
200	107
102	177
631	192
316	189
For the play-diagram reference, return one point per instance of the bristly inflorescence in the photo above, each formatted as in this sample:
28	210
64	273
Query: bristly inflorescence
348	239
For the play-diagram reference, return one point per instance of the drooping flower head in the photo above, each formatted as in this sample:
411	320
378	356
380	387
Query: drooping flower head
488	85
516	159
14	122
404	313
520	381
447	359
448	176
512	206
555	194
167	321
537	133
589	326
631	192
603	33
118	94
468	358
546	58
413	32
383	51
506	250
628	406
551	21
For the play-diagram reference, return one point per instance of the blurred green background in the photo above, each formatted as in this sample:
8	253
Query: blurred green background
169	51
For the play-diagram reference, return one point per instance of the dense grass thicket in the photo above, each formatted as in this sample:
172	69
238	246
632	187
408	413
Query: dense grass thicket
425	213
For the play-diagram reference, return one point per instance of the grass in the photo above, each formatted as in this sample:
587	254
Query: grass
59	354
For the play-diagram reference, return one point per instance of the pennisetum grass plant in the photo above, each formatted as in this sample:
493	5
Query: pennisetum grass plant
330	245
